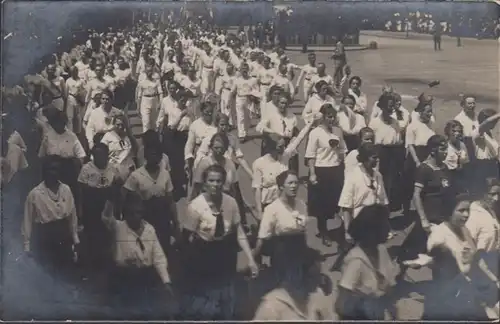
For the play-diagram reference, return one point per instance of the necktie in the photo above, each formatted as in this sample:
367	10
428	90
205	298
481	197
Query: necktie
141	245
219	225
284	126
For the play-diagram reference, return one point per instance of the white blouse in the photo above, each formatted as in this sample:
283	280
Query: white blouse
279	219
318	148
65	145
141	182
484	228
94	177
418	133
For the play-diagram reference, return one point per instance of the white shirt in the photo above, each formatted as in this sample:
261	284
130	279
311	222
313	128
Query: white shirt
486	147
207	161
13	162
386	134
361	190
170	108
43	206
470	125
279	219
313	106
418	133
361	100
197	132
318	148
65	145
454	155
265	76
278	124
141	182
132	250
100	122
484	228
350	123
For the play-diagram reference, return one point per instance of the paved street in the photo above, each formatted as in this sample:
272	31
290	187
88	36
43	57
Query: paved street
408	65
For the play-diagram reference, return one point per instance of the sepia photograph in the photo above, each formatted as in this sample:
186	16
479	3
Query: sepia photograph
247	160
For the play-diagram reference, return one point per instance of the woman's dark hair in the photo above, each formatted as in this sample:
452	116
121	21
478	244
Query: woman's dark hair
398	111
327	108
349	96
450	125
320	84
220	117
271	141
485	114
355	78
151	140
56	116
365	151
365	130
281	178
465	97
97	138
422	104
216	168
451	201
100	146
371	223
434	142
383	101
275	88
205	105
109	93
220	137
48	161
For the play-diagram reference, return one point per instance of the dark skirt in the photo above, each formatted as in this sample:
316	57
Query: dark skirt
69	176
209	274
51	244
174	143
96	238
416	241
351	142
137	292
323	198
156	213
391	164
408	175
285	253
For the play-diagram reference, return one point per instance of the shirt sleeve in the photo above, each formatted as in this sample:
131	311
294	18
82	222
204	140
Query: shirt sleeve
169	186
257	175
29	216
312	146
78	150
436	238
346	199
381	194
421	176
350	277
22	161
267	224
42	151
198	171
267	311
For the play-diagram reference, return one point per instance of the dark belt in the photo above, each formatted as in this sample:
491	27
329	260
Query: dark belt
151	96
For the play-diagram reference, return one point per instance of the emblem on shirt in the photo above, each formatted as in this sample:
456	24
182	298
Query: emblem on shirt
445	183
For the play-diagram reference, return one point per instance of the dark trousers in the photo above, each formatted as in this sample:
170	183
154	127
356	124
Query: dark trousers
437	43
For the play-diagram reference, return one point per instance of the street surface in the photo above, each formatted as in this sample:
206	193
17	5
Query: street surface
406	64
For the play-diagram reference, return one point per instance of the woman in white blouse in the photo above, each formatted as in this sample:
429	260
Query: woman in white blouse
173	124
268	167
388	136
96	178
219	144
350	122
198	130
283	123
282	229
361	102
417	134
50	222
457	158
154	184
487	150
363	187
456	292
484	224
317	101
62	142
140	270
213	234
325	152
75	92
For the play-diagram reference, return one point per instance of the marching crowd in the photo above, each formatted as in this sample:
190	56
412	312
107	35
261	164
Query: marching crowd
107	206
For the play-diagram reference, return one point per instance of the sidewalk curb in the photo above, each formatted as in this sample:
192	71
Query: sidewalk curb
327	48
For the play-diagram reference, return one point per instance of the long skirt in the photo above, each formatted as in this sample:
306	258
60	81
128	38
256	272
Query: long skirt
173	144
138	293
156	213
210	269
391	163
323	198
51	244
282	250
96	238
408	175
